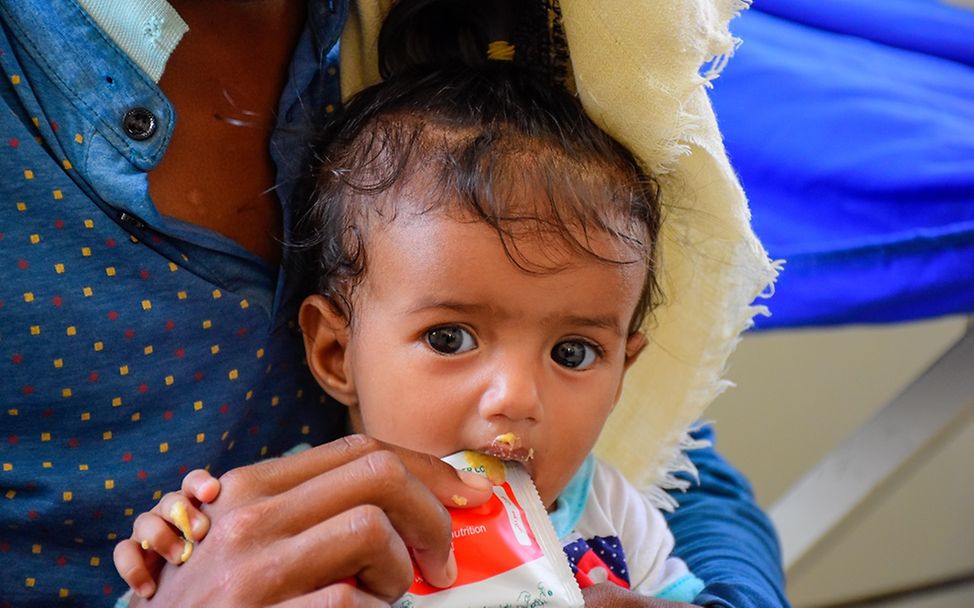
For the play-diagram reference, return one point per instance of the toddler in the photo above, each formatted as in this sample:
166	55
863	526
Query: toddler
481	259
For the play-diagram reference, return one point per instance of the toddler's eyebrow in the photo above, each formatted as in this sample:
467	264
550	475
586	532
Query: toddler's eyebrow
609	322
464	307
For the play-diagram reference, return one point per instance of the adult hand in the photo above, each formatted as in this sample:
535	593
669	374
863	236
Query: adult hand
607	595
294	531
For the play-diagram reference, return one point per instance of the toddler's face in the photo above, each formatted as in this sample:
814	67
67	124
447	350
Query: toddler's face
452	345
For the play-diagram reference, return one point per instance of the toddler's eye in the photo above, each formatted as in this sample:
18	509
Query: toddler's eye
450	340
574	354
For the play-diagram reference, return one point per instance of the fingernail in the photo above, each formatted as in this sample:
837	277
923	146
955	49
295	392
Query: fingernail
176	553
475	481
451	567
212	487
145	590
197	525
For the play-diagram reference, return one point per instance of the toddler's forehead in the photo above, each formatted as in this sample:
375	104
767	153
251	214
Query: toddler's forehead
532	242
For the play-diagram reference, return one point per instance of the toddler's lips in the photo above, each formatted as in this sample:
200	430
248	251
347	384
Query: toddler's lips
506	451
508	446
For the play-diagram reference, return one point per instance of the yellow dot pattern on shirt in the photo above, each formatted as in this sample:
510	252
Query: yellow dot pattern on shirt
90	304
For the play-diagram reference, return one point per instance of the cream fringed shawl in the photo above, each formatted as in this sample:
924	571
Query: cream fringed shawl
641	68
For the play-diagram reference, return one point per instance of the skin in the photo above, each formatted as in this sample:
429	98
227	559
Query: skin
233	63
292	531
504	379
607	595
227	70
433	272
269	519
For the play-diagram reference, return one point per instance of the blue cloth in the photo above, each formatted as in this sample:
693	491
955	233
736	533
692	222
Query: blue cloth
851	125
570	504
134	347
725	539
131	350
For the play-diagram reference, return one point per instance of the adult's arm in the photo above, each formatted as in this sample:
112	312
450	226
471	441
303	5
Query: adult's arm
725	538
292	529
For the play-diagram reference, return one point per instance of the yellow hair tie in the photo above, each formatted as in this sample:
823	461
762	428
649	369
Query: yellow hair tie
500	50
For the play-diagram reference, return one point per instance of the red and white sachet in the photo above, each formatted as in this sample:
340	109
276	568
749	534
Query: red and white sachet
506	549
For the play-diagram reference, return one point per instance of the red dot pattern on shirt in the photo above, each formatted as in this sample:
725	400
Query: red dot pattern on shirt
121	365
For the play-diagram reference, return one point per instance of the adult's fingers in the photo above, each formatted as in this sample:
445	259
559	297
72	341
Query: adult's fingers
360	542
339	595
441	478
381	479
359	470
278	475
275	524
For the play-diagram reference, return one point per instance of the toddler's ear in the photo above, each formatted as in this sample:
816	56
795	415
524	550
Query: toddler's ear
325	342
635	344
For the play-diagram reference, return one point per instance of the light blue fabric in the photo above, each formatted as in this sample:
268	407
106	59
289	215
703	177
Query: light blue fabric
684	589
571	503
851	125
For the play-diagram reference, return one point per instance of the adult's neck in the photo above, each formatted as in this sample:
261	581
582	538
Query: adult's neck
224	80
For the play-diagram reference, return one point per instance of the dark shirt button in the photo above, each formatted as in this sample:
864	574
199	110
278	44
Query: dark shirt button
139	124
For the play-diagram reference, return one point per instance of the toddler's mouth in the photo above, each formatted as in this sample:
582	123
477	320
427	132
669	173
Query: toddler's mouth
508	447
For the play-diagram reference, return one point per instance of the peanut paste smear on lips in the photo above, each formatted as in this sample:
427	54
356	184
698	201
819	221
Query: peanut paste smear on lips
506	446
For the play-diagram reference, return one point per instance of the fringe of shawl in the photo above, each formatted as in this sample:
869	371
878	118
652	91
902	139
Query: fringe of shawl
641	70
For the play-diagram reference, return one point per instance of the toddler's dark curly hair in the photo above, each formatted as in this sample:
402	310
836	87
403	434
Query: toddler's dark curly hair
450	131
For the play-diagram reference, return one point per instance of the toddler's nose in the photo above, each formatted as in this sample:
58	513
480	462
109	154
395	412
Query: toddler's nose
512	392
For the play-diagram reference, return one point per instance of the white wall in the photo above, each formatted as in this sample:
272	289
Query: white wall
799	393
